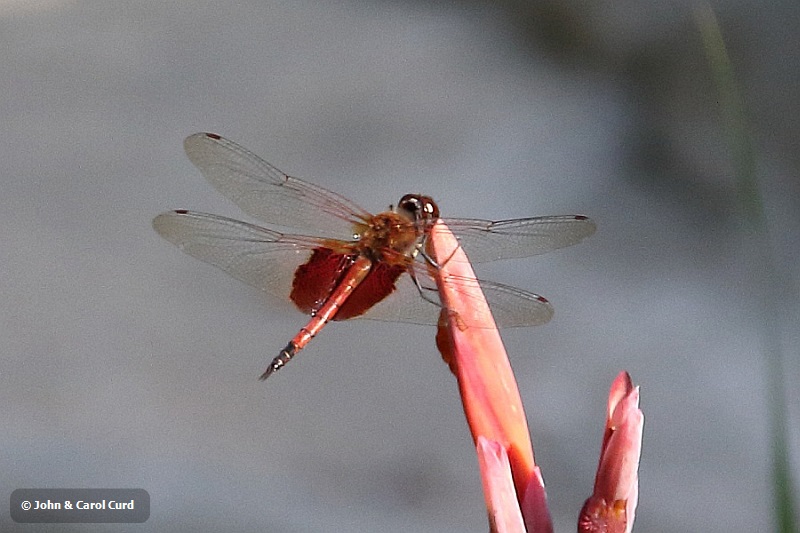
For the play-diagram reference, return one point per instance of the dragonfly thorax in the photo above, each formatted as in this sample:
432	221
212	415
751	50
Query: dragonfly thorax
391	237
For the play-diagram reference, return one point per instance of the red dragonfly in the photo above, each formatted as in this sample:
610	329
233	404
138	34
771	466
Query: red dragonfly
352	264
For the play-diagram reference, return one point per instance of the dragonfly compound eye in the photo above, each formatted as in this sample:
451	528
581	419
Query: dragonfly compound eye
418	207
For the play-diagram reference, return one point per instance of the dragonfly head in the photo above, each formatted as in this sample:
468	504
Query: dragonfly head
421	209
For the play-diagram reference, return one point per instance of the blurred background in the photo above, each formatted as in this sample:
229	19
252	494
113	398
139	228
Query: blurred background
126	363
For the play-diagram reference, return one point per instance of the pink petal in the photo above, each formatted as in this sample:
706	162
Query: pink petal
612	506
498	488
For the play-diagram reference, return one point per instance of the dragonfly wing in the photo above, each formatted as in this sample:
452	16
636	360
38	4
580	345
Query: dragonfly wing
266	193
258	256
484	240
268	259
405	304
511	307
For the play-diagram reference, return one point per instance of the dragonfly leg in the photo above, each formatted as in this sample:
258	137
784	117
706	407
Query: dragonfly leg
423	251
423	291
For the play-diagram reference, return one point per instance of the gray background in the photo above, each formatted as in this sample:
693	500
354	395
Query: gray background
128	364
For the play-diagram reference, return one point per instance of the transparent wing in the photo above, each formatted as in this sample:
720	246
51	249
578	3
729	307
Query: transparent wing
484	240
266	193
268	259
257	256
511	307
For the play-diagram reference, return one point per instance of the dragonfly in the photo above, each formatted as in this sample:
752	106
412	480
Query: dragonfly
348	263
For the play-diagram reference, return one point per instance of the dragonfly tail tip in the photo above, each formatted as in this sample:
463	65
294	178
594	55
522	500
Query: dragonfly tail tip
277	363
